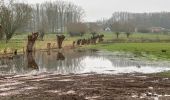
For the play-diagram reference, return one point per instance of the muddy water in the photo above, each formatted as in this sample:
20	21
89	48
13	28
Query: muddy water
66	62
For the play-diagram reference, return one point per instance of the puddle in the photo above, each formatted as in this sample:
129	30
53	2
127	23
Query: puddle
79	62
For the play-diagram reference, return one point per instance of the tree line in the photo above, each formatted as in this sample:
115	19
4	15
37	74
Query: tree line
141	21
42	17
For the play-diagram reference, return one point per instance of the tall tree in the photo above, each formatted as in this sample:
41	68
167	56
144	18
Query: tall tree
116	28
14	16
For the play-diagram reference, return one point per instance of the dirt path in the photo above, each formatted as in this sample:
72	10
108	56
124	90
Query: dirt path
84	87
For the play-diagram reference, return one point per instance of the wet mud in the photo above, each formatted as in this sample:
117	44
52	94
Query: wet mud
84	87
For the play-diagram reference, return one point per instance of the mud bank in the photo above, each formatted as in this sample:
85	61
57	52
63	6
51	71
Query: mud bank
84	87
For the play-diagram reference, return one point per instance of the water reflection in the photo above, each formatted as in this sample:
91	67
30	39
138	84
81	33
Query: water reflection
31	61
49	52
78	62
60	56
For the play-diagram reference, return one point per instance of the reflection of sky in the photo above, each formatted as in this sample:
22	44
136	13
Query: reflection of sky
104	65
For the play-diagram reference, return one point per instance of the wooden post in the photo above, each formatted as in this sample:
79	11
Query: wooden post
5	51
48	46
15	52
74	44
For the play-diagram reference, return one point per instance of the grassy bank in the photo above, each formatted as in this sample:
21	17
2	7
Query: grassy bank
19	42
148	50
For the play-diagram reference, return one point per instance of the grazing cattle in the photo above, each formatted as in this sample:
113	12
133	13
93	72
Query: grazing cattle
60	39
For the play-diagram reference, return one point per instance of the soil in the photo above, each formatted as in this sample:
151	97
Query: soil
84	87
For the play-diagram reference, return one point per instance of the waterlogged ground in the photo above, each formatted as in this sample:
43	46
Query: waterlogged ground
84	87
82	75
77	62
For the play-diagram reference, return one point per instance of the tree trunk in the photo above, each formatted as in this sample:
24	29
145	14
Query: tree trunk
31	41
60	39
1	33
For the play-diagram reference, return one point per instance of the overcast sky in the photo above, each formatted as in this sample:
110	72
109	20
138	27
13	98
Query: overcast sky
97	9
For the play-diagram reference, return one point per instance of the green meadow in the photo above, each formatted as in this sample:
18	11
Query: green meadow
148	49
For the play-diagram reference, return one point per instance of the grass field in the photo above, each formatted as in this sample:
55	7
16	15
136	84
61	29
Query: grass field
19	42
147	50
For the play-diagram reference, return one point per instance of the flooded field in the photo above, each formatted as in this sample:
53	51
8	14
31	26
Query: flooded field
78	62
82	75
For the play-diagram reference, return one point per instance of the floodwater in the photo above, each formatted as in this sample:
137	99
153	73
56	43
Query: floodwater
77	62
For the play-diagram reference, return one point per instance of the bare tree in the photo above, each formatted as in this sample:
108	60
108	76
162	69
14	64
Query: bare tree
14	16
93	28
43	17
128	28
76	29
116	28
141	21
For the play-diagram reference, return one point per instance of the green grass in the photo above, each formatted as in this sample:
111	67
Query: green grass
148	50
164	74
161	36
19	42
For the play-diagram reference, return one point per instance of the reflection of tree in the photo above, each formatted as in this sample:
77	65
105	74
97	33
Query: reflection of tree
71	64
49	52
31	61
60	56
6	65
13	65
